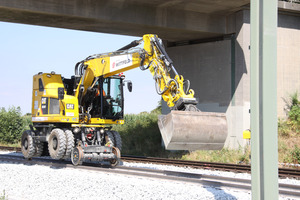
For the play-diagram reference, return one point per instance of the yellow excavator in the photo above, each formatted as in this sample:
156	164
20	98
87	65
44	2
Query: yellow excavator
72	118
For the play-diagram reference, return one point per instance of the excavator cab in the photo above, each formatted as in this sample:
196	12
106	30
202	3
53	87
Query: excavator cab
105	99
112	98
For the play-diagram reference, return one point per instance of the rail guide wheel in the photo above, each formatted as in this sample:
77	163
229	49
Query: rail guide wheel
77	155
116	161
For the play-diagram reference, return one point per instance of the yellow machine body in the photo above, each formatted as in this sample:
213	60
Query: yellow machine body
79	102
48	108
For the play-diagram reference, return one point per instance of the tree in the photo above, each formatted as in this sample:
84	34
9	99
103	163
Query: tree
12	124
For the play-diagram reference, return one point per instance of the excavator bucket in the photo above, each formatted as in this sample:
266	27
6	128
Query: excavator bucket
188	130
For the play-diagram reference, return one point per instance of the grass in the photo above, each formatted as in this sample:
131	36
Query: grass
288	150
3	196
10	145
288	145
289	132
223	156
140	135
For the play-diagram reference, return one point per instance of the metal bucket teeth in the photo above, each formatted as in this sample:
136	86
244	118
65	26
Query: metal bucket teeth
187	130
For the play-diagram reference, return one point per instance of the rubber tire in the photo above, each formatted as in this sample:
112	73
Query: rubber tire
110	138
118	140
39	148
45	149
30	150
69	143
60	150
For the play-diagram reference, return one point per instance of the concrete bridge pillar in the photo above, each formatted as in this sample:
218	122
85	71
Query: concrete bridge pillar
219	74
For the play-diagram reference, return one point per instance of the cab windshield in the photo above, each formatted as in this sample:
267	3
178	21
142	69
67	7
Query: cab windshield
112	98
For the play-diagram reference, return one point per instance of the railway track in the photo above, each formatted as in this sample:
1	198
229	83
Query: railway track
282	172
287	190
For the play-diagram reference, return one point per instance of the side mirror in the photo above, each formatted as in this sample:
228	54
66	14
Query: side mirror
129	86
61	93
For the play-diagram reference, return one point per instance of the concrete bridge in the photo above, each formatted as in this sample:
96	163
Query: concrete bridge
209	42
173	20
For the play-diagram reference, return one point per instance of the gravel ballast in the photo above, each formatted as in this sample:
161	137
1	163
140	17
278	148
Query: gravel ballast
22	181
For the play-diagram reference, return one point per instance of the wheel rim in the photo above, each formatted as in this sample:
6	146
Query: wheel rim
54	143
25	144
117	152
57	144
28	145
75	155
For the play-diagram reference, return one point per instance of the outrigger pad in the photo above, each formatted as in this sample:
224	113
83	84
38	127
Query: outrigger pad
188	130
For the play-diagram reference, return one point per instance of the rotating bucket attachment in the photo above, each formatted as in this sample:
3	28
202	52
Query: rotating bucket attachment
192	130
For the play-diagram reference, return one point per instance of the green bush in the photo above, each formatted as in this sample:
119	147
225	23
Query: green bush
296	154
283	128
140	135
27	120
12	124
292	124
294	111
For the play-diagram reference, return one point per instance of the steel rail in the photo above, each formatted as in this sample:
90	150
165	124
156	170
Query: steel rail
283	172
192	164
239	168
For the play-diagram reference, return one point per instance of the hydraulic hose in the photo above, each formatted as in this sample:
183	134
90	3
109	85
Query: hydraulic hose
166	88
132	44
187	88
162	50
145	68
81	68
76	68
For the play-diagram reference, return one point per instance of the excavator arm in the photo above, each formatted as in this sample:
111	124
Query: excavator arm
174	90
160	65
185	128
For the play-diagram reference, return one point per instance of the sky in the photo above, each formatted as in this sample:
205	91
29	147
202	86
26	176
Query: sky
26	50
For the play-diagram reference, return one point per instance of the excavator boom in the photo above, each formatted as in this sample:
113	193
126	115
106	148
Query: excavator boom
185	127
